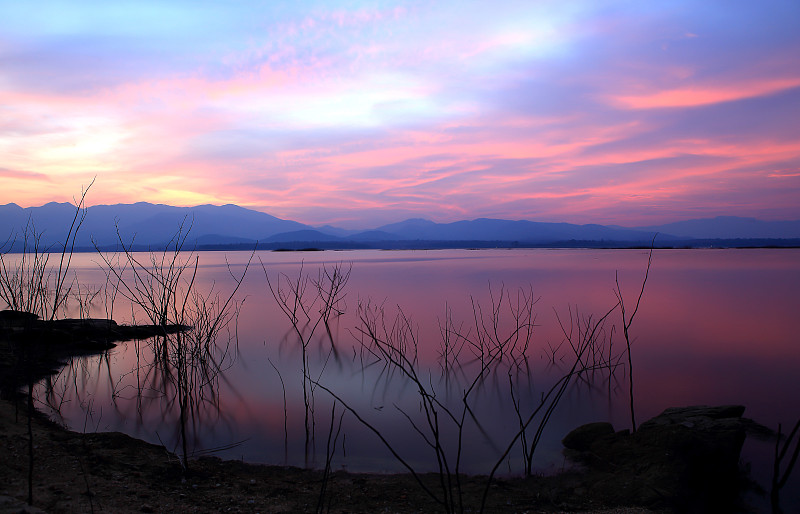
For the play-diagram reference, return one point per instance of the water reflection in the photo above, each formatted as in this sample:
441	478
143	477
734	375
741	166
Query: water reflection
169	393
185	356
714	327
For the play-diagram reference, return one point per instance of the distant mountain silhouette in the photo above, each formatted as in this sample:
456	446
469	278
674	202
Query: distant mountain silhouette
221	240
51	221
483	229
411	227
301	235
377	235
153	225
336	231
145	223
729	227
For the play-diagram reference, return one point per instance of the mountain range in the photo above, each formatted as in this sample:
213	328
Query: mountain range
154	225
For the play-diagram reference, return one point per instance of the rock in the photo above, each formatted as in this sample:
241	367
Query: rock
31	348
685	459
584	436
87	324
675	415
10	317
14	321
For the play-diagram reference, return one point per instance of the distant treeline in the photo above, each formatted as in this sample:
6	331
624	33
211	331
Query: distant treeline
446	245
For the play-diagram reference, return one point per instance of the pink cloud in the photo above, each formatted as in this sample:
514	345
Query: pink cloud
784	173
704	94
22	175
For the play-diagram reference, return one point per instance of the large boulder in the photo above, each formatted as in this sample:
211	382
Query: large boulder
685	459
583	437
10	319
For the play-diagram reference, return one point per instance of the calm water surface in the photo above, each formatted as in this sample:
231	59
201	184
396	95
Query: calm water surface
714	327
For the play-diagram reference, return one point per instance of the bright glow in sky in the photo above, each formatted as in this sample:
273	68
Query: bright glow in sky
364	113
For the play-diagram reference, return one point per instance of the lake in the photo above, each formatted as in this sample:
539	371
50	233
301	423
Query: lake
714	327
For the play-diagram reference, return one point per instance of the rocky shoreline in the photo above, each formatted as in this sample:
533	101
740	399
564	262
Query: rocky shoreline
112	472
666	466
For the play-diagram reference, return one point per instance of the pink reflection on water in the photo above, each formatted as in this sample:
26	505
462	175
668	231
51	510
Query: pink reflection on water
715	326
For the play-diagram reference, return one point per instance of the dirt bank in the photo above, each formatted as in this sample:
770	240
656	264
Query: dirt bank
111	472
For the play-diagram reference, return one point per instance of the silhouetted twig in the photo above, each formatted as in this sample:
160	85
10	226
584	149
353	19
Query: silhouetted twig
626	324
779	479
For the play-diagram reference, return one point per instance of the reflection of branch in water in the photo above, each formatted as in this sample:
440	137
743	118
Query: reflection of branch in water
443	418
285	416
186	385
308	303
186	364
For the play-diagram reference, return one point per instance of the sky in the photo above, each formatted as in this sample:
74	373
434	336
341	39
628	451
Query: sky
358	114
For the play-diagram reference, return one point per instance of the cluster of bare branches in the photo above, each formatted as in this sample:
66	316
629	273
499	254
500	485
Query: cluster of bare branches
159	286
30	284
586	337
496	342
189	355
25	285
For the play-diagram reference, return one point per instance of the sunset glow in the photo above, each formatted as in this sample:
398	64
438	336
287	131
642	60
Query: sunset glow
364	113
